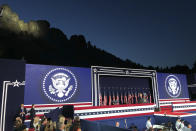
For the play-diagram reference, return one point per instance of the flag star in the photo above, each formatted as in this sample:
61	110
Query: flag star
95	70
16	83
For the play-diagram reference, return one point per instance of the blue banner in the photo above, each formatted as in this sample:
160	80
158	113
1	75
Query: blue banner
171	86
11	91
57	84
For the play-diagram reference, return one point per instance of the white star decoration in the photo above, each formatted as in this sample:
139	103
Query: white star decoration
95	70
16	83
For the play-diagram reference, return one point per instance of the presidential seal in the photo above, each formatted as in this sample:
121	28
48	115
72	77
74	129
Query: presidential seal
173	86
59	85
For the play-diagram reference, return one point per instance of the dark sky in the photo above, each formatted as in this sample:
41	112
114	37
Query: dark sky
158	32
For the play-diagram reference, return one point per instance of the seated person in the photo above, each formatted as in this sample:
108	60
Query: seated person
187	128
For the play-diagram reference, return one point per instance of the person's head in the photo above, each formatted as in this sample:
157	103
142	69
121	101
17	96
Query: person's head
182	121
22	105
117	124
178	119
33	105
77	118
17	123
79	129
140	95
62	119
44	121
189	126
149	118
69	121
60	125
36	119
18	118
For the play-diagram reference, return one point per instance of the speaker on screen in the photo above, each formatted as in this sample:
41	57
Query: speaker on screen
68	111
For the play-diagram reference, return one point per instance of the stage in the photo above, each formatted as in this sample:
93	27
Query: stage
101	95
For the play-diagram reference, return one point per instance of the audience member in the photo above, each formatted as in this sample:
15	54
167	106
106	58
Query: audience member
43	124
187	128
60	126
18	125
69	124
61	119
35	123
50	126
76	124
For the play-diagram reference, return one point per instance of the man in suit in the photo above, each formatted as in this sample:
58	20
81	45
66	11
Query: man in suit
22	112
32	112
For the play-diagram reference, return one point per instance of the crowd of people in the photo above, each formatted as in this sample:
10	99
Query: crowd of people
68	124
44	124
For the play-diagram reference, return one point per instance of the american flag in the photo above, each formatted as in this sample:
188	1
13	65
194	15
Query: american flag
136	97
110	98
132	98
100	99
121	97
150	99
113	96
105	99
117	98
125	97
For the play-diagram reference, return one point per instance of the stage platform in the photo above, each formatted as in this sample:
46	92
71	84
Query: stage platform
174	114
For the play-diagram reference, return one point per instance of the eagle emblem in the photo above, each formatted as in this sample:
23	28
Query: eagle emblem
173	86
59	84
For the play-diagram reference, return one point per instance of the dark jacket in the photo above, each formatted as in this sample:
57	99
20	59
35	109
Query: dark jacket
32	113
20	115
